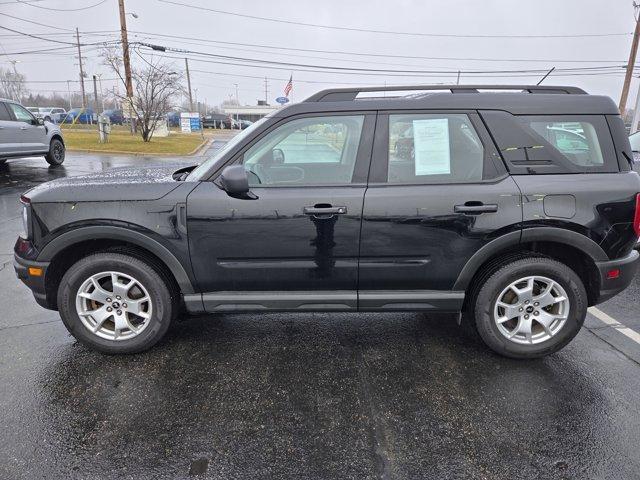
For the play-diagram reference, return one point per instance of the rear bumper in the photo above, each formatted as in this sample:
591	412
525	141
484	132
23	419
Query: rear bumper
626	269
35	283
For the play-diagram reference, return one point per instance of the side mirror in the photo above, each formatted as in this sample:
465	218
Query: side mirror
39	121
235	181
277	155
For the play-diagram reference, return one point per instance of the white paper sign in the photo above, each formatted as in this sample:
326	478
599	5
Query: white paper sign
431	146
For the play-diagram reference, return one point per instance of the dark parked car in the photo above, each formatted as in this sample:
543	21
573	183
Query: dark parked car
313	209
216	120
115	116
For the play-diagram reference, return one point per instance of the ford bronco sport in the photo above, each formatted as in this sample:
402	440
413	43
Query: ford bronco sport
515	207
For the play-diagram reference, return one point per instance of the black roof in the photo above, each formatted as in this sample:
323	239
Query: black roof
516	99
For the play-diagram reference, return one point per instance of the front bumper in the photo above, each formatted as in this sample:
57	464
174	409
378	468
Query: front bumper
612	283
35	282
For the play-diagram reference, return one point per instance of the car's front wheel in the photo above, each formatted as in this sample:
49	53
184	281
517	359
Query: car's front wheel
56	153
116	303
530	307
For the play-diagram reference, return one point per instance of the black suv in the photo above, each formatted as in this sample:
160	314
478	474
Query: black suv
517	209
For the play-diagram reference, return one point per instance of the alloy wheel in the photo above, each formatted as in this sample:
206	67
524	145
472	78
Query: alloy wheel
114	305
531	310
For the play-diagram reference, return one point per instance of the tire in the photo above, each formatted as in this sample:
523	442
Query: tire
563	318
140	333
56	153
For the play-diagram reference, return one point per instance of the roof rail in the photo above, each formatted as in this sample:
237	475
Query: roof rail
348	94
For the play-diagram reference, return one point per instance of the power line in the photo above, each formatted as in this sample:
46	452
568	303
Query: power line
35	23
36	36
392	73
321	68
333	58
377	55
44	50
388	32
61	9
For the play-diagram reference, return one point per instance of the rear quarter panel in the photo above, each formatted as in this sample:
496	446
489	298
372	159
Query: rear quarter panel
598	205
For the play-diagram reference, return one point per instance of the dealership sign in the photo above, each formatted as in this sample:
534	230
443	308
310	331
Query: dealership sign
190	122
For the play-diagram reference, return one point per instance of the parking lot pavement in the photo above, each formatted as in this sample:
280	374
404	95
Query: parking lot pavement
307	395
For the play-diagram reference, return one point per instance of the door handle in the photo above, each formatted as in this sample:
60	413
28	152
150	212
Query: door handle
23	128
320	209
476	208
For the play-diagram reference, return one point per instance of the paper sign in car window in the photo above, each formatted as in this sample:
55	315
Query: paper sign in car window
431	146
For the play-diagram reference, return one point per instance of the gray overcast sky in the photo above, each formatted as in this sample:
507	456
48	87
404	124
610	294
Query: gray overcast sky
215	82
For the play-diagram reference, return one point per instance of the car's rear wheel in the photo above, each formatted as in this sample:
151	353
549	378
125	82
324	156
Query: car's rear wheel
530	307
116	303
56	153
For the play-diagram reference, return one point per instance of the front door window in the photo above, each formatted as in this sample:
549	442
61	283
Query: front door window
306	151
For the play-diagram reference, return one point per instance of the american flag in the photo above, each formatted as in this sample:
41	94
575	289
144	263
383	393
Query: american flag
288	87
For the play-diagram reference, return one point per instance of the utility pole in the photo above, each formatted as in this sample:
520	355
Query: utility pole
127	61
630	64
101	91
84	97
266	90
186	64
95	92
69	93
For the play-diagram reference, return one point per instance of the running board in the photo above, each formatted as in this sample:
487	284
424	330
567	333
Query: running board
318	301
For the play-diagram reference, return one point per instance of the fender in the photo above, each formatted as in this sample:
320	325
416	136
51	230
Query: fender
546	234
118	233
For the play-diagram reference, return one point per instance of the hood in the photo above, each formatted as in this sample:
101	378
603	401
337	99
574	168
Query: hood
117	184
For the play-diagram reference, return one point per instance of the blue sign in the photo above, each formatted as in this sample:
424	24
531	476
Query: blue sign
282	100
195	124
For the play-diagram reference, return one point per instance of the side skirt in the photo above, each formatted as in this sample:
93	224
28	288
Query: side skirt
321	301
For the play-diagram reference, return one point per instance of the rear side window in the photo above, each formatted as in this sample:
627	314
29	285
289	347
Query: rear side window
576	141
553	144
434	148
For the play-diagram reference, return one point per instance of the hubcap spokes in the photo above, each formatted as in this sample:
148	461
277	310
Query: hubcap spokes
114	305
531	310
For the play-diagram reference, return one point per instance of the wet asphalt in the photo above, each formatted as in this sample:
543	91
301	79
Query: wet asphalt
355	396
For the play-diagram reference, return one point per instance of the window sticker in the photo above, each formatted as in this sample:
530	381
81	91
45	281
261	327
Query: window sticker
431	146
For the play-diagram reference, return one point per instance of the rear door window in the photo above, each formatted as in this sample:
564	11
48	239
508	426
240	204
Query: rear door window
434	148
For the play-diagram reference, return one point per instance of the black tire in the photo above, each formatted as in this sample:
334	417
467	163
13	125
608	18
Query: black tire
163	297
56	153
503	276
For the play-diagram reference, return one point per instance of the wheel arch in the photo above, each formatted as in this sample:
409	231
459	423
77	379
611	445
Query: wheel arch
57	136
573	249
69	247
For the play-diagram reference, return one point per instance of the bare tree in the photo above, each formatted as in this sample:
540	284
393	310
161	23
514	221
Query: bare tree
12	84
155	85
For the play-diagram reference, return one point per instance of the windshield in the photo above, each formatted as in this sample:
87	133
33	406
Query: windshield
197	173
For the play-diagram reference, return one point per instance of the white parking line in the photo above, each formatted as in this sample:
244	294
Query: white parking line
600	315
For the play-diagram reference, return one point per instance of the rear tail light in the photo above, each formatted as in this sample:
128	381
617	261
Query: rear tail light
636	216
